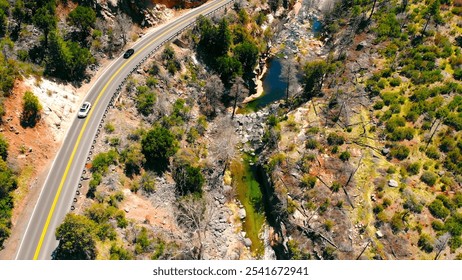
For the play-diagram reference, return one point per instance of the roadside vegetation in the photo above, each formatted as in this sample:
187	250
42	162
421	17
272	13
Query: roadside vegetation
60	40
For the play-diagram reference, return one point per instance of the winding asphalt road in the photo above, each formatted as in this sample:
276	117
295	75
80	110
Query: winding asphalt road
61	185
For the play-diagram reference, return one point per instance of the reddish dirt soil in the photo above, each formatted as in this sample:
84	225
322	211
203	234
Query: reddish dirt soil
30	149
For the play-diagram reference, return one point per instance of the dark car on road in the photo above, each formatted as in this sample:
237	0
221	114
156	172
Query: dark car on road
129	53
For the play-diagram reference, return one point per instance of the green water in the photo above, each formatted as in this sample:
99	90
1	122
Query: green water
249	194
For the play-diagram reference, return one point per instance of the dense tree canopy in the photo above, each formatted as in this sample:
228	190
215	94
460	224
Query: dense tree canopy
247	54
215	41
66	59
314	74
45	19
77	239
228	67
7	184
83	18
158	145
4	6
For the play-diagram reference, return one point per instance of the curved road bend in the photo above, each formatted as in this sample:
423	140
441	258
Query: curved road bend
60	187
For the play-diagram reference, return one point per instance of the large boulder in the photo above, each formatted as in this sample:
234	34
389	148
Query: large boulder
392	183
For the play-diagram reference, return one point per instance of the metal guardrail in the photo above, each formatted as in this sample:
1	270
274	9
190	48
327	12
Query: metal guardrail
116	94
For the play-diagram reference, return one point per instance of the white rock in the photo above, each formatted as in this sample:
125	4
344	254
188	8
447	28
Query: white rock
242	214
392	183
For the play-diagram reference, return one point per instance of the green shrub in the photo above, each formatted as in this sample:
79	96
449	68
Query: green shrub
23	55
142	241
395	108
457	74
386	115
402	133
413	204
308	181
145	101
391	170
192	136
429	178
324	206
335	139
276	160
31	109
400	152
438	225
8	184
432	152
426	125
454	243
447	181
94	183
388	27
102	161
272	120
454	120
313	130
395	122
148	182
114	141
438	210
390	97
457	199
336	186
328	225
412	116
396	222
447	144
382	83
159	249
312	144
453	161
378	105
345	156
394	82
457	11
453	224
151	82
448	203
414	168
377	209
3	147
119	253
157	146
386	202
295	252
109	127
425	243
334	149
188	178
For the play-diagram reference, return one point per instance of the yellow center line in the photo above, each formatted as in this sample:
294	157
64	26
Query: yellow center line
74	151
